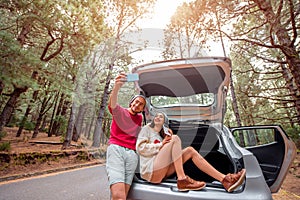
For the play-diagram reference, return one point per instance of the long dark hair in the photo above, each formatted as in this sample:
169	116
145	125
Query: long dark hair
161	132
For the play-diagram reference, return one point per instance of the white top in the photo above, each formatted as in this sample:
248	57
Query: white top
147	146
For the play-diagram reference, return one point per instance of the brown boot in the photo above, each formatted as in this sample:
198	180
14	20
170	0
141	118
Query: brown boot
232	181
189	184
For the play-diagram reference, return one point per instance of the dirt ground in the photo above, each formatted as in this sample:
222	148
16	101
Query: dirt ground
41	144
290	190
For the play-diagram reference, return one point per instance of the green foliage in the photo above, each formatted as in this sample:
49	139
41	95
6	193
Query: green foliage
14	62
2	135
28	125
294	133
82	156
53	38
5	146
73	25
264	85
63	123
31	158
13	121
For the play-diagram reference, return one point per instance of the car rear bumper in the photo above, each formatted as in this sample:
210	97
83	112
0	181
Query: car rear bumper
254	188
258	191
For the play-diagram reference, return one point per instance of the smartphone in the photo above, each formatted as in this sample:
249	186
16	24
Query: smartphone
132	77
166	130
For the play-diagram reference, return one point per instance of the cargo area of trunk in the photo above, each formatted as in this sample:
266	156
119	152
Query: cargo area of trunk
205	140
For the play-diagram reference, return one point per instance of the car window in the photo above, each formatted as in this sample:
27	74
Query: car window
204	99
254	137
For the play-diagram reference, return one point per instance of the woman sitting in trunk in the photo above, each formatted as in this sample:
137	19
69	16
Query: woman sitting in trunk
161	155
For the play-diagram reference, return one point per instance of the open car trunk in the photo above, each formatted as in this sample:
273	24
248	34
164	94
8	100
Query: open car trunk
192	93
205	139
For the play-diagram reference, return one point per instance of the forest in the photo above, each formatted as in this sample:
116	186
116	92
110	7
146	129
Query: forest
58	60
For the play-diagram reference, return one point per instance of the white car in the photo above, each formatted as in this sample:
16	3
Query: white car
192	92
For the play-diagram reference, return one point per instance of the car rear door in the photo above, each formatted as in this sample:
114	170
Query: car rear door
273	149
189	89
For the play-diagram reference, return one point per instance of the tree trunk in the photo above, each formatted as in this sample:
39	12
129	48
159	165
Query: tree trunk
79	123
98	128
235	104
37	126
42	112
44	123
88	134
11	103
60	112
1	87
10	106
50	133
63	114
104	128
24	119
70	128
291	86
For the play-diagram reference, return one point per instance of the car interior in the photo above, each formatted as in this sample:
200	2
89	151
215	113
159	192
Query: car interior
270	156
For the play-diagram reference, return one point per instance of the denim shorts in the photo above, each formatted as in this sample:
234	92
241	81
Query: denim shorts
121	164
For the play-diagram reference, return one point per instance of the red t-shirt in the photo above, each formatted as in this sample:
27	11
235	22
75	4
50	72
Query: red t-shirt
125	127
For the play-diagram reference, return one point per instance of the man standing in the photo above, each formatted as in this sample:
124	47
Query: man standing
121	158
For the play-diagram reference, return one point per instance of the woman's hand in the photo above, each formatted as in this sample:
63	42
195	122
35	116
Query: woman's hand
166	140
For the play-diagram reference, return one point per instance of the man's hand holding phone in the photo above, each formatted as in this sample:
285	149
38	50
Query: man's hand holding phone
132	77
128	77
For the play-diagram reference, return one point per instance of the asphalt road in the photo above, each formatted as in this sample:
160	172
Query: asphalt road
81	184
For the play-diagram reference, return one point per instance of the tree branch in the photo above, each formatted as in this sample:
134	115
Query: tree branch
48	46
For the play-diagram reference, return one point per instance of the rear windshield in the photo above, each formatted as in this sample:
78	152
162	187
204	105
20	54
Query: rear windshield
204	99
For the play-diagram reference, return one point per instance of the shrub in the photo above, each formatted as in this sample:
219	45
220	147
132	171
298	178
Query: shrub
294	133
2	134
13	122
29	126
63	123
5	146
